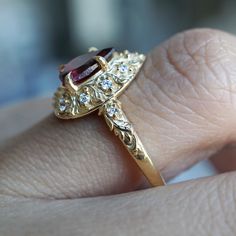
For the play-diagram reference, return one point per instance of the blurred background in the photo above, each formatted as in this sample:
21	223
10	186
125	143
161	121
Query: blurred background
37	36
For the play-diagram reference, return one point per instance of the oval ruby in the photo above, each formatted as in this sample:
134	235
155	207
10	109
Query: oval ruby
85	66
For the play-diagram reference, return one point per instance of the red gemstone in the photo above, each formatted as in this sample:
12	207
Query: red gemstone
85	66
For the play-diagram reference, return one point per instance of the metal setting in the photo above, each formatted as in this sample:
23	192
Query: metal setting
100	93
102	62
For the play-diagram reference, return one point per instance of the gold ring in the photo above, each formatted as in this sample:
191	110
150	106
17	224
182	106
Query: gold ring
92	82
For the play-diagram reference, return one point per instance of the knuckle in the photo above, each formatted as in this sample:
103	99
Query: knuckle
193	67
195	64
200	63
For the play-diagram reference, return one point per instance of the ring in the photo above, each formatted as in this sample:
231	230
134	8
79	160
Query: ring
92	82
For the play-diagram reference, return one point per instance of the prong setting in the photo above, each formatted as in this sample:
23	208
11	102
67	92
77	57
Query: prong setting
69	84
102	62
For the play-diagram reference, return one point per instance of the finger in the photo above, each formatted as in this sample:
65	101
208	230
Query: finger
182	105
20	117
203	207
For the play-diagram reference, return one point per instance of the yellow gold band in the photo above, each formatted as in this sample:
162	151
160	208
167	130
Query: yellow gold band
118	122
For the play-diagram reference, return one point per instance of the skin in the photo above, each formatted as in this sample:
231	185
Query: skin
75	178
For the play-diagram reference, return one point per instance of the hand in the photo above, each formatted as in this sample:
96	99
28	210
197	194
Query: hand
54	177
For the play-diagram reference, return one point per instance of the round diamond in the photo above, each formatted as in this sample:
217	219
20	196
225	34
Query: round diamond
62	105
111	111
106	84
123	68
84	98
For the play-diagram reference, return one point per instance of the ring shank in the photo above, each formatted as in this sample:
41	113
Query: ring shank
118	122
